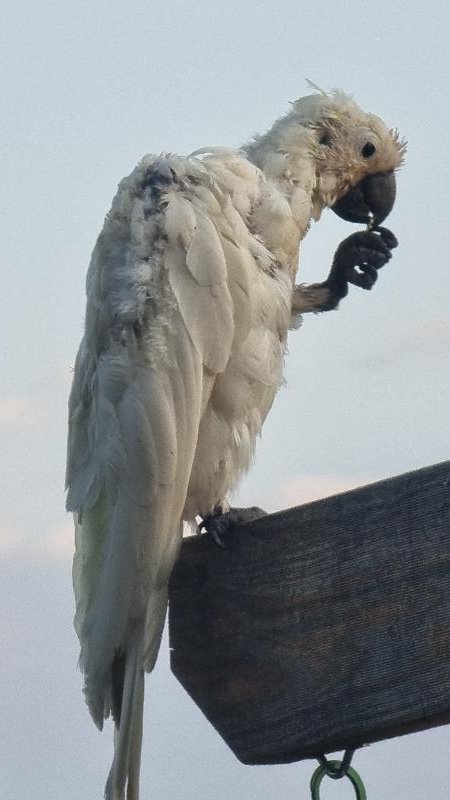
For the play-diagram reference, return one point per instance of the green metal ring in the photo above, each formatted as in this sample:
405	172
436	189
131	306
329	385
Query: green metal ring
351	774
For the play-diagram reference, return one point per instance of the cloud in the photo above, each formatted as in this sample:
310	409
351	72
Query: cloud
55	544
15	412
11	540
33	409
306	488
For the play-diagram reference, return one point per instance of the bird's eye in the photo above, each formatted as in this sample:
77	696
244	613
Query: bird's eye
325	140
368	150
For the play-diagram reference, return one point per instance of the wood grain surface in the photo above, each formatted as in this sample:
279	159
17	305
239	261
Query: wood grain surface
324	626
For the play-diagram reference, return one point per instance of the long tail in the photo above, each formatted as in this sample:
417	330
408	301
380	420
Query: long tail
128	701
128	693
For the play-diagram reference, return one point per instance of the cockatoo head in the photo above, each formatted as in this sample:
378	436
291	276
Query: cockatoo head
356	156
343	156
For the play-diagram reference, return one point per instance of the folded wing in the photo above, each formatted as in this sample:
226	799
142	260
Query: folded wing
159	327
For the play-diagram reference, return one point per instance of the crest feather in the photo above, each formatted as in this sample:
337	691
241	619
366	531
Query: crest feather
317	88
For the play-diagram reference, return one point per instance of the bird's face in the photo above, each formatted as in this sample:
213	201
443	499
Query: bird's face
356	157
372	198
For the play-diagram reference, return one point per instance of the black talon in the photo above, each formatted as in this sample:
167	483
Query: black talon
219	523
359	257
387	236
211	523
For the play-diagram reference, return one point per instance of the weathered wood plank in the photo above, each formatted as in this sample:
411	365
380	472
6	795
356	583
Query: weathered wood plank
324	626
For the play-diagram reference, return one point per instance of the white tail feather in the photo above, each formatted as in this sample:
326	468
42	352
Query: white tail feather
124	772
123	778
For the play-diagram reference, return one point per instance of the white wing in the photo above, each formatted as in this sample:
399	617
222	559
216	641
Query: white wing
159	326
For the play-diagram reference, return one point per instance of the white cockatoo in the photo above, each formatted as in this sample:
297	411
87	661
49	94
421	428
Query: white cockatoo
190	295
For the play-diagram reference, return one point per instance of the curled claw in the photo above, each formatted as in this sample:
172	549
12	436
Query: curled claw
364	279
387	236
219	523
359	257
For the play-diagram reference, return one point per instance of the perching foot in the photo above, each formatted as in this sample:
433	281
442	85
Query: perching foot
219	522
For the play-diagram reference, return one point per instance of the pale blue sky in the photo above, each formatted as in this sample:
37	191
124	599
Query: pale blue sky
86	89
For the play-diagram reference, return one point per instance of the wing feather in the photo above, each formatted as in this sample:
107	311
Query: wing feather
197	272
159	313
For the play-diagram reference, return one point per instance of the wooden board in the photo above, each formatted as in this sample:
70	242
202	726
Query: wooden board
322	627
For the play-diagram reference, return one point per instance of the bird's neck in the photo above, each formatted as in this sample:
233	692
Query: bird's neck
285	153
283	217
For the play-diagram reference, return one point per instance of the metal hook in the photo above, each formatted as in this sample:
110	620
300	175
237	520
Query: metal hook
337	769
331	770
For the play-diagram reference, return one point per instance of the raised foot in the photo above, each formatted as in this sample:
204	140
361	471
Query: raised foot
219	522
359	257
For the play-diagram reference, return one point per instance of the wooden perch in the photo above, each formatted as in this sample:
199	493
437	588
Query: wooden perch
321	627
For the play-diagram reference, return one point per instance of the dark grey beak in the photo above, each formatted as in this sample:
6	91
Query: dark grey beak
371	200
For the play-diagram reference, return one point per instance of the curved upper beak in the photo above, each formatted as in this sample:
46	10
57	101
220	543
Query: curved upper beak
370	201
